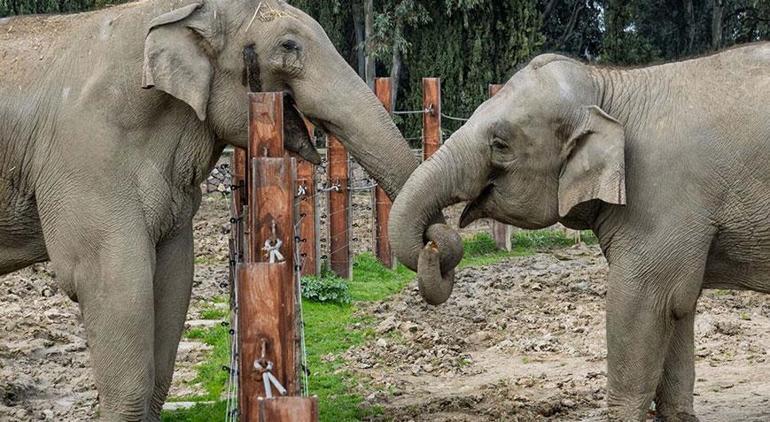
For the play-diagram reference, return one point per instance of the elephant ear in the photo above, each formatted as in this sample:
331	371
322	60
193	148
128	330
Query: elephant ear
176	54
595	165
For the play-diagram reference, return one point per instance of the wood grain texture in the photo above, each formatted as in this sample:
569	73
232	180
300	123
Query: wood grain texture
267	308
266	124
307	215
288	409
271	199
382	204
500	232
431	122
339	209
238	198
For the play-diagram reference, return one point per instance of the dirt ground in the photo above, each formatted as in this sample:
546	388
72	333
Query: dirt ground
520	340
523	340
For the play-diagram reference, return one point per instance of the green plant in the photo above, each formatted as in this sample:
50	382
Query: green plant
539	239
326	288
478	245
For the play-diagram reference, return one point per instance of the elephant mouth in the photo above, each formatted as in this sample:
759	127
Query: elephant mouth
476	208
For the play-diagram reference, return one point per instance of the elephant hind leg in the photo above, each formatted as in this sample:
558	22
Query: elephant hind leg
651	298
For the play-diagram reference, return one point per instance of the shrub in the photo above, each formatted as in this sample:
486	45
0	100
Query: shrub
327	288
478	245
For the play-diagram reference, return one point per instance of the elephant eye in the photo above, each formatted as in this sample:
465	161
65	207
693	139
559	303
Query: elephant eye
499	145
290	45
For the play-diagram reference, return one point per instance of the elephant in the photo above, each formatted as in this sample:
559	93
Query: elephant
667	165
109	122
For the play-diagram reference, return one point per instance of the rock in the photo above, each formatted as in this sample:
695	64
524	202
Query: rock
504	344
387	325
568	403
381	343
479	337
479	319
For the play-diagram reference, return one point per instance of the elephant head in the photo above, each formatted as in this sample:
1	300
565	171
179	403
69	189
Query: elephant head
210	53
539	152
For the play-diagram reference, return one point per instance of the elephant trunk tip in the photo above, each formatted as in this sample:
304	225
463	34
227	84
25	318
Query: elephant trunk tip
435	288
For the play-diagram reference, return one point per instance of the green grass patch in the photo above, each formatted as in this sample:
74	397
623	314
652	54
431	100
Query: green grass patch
549	238
198	413
214	313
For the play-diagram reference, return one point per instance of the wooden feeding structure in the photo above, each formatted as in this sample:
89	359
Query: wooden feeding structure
267	264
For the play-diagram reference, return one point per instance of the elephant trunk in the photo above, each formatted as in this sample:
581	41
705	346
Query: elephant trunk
419	242
345	106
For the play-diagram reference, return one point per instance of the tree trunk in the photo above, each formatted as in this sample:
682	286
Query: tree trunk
360	47
395	68
717	12
369	28
689	15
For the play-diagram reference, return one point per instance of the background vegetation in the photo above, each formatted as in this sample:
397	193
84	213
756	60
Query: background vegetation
472	43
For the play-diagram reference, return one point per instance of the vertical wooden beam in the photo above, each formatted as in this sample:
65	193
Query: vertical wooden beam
238	197
382	204
500	232
267	295
339	209
294	409
431	121
308	215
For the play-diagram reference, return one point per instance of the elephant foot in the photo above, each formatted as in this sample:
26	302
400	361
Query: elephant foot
678	417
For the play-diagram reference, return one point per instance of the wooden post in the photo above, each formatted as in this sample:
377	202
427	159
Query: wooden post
382	204
238	195
267	294
339	208
431	121
307	213
500	232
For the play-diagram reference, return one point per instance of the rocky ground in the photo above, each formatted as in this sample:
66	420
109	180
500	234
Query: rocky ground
522	339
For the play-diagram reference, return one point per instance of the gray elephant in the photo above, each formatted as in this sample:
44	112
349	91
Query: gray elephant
109	122
668	165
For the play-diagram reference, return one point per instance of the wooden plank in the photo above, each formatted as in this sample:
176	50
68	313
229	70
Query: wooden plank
431	121
238	199
307	213
271	202
266	124
339	209
288	409
266	306
382	204
500	232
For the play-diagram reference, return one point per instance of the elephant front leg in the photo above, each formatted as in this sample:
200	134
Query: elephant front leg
674	396
114	290
650	302
173	285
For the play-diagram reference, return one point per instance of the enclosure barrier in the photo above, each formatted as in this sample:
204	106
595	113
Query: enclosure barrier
268	343
339	208
275	238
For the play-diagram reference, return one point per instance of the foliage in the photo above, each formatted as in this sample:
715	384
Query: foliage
549	238
479	244
326	288
472	43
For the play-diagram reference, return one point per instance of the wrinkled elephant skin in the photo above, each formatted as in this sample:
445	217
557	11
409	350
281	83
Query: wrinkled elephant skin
669	165
109	122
